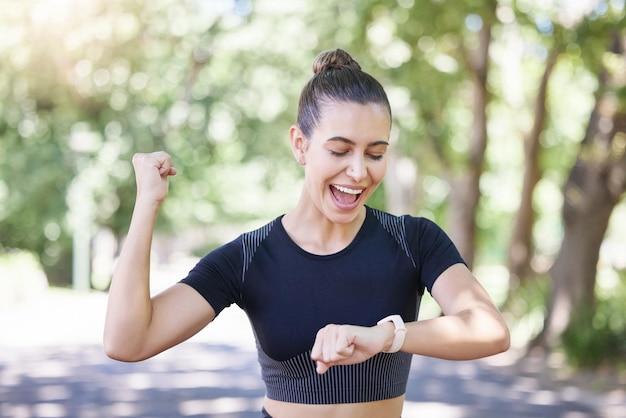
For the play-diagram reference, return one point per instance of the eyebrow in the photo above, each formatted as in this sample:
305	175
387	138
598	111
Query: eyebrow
351	142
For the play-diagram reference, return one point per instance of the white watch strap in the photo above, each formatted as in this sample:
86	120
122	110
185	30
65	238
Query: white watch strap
398	334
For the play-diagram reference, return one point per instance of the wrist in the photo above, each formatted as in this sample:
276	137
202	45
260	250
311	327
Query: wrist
146	204
389	334
399	333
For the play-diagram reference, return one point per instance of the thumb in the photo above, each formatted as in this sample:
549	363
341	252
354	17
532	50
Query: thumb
167	170
322	367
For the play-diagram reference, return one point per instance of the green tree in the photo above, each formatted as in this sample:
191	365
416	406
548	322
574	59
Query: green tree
490	101
86	85
487	69
595	185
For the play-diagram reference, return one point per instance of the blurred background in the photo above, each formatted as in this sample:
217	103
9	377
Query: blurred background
509	131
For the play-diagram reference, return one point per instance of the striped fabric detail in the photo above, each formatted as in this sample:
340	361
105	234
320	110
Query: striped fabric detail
250	242
383	376
395	226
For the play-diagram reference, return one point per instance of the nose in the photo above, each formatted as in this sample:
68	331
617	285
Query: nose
357	169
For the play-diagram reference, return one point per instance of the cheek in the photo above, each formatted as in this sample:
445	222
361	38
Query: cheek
323	169
378	172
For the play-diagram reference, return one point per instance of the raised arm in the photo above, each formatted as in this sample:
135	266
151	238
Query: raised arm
138	326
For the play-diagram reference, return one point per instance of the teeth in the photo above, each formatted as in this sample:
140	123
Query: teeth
347	190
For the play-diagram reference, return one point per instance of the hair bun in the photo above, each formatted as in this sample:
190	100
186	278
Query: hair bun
334	60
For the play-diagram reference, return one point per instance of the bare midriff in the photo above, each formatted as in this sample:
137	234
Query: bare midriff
391	408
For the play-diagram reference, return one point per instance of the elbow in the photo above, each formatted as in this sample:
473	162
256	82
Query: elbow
499	336
118	350
501	339
115	352
495	335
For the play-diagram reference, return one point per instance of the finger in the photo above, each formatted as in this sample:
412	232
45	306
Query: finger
322	367
316	351
323	337
339	345
167	170
163	162
329	344
332	347
137	159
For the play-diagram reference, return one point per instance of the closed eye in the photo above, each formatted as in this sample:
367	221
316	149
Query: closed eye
375	157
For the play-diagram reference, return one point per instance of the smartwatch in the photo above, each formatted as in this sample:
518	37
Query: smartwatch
398	334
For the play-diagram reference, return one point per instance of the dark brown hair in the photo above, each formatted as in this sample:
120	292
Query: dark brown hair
337	78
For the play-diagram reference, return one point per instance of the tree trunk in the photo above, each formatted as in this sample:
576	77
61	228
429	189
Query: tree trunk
521	247
465	193
595	185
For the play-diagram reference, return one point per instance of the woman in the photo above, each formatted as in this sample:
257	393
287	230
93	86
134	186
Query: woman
332	287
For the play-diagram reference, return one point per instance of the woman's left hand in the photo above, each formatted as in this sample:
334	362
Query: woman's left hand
349	344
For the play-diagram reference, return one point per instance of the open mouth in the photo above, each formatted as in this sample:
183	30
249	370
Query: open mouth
345	196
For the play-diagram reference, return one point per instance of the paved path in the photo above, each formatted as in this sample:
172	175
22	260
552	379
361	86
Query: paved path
52	365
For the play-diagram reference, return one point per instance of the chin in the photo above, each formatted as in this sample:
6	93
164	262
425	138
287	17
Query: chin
340	216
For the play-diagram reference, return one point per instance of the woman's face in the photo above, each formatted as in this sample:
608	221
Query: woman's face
344	158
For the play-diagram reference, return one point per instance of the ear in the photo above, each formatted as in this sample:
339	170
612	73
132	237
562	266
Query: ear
298	144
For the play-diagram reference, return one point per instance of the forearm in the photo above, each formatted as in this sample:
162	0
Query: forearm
466	335
129	309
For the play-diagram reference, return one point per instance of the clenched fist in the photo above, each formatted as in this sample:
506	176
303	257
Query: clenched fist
151	174
349	344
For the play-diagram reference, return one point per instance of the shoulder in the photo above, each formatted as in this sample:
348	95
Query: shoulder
403	223
414	233
235	250
396	227
259	234
389	221
250	241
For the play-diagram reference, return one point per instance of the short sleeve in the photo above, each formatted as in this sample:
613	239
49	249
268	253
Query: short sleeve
217	276
435	251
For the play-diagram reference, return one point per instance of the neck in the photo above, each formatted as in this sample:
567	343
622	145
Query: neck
314	232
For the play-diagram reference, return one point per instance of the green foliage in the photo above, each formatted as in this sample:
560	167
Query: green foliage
596	335
84	85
